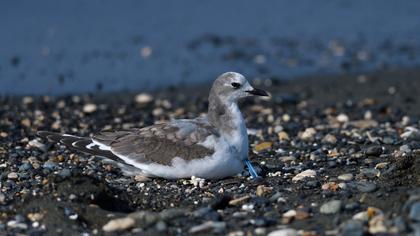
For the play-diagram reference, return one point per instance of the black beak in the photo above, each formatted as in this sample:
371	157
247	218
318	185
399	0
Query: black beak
257	92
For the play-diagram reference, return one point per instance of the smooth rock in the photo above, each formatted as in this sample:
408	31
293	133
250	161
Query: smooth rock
263	146
12	175
49	165
304	174
239	201
2	198
415	212
283	136
405	148
329	138
342	118
411	133
25	167
119	224
207	226
263	190
370	172
89	108
352	228
366	187
64	173
37	144
17	225
143	98
377	225
374	151
308	134
331	207
283	232
345	177
287	158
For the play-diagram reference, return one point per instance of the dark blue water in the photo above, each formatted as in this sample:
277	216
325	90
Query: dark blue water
55	47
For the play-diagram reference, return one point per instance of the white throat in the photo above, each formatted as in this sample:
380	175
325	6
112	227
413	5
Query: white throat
238	137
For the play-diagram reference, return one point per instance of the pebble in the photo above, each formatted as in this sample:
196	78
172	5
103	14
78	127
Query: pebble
12	175
236	233
366	186
25	167
260	231
308	134
161	226
119	224
345	177
374	151
37	144
415	212
377	225
329	138
2	198
263	190
215	226
331	207
64	173
342	118
49	165
381	165
239	201
143	98
89	108
352	206
411	133
287	158
289	214
352	228
330	186
405	148
263	146
283	232
304	174
17	225
370	173
283	136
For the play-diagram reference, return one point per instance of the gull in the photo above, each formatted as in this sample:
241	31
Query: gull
213	146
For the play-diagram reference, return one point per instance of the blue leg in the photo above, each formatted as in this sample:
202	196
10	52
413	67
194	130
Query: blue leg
251	169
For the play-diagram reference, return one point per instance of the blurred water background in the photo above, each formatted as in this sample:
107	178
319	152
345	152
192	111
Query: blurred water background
60	47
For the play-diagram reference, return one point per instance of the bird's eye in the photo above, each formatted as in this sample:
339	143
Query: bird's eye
236	85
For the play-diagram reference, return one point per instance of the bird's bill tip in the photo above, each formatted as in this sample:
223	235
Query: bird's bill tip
258	92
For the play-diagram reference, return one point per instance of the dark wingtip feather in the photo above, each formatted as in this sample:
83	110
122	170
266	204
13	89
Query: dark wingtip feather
51	136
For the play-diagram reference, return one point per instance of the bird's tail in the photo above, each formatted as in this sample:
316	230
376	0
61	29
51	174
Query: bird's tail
87	145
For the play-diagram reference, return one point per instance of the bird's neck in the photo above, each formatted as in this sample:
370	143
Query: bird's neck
225	116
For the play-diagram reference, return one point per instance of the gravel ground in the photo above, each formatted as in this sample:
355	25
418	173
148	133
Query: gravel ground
339	155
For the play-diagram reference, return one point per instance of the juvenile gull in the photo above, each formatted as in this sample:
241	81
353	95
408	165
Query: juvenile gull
211	147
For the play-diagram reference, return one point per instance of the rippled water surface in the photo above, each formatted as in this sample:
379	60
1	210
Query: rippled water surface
55	47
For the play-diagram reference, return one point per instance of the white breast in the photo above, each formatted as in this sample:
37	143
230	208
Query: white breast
239	137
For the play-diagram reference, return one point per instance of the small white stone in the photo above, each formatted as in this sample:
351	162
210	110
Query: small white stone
345	177
304	174
411	133
118	224
342	118
289	213
308	134
143	98
283	232
89	108
260	231
37	144
12	175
